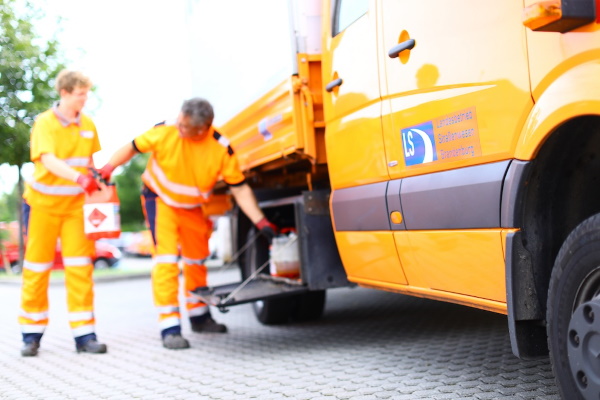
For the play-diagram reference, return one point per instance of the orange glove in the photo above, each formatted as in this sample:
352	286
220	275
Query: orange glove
106	171
88	183
267	229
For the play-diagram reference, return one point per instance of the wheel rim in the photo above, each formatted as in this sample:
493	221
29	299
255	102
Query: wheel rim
259	305
583	338
589	288
101	264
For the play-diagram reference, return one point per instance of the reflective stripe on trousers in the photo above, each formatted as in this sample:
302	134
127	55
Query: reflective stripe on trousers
43	231
176	228
194	273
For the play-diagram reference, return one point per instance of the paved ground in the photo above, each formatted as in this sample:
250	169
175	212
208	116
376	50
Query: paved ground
368	345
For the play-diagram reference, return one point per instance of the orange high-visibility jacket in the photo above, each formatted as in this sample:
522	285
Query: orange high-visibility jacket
183	172
72	142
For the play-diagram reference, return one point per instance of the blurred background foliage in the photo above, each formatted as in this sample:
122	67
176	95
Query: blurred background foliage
28	67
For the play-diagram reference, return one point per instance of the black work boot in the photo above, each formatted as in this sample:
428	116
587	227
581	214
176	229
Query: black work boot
30	349
92	346
207	325
174	341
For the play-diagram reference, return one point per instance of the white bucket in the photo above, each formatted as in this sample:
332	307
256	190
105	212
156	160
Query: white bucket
285	256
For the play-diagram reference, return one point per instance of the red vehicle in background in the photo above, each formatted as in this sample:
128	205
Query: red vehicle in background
106	256
10	253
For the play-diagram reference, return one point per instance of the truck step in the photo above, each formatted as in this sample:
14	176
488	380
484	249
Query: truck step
260	288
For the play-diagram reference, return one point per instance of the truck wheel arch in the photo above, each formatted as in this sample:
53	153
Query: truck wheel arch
574	94
556	191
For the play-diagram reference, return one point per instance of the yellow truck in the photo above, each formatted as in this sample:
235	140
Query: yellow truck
440	149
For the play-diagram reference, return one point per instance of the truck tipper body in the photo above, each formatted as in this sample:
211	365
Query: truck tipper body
446	150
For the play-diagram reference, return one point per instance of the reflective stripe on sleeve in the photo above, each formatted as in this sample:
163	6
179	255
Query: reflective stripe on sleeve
77	161
27	328
37	267
83	330
169	322
56	190
166	259
39	316
223	141
81	316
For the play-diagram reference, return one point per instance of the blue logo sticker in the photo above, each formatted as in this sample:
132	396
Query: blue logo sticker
418	143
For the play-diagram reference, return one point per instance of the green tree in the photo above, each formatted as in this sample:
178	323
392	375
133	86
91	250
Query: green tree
129	183
27	68
9	205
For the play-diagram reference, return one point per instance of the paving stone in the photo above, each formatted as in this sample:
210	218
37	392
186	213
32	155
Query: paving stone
368	345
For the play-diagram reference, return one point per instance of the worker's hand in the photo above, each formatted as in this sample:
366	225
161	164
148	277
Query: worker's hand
88	183
106	171
267	228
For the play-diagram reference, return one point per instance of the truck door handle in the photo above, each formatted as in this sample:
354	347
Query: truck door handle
400	47
333	84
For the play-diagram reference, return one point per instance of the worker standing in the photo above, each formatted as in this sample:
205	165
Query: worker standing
63	140
187	158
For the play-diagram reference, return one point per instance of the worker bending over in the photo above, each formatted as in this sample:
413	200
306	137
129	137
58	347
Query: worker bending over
187	158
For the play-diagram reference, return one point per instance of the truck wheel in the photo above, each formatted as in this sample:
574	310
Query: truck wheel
309	306
574	283
273	311
15	267
101	263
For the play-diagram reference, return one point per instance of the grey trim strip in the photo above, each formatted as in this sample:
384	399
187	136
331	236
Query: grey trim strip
464	198
393	202
361	208
514	182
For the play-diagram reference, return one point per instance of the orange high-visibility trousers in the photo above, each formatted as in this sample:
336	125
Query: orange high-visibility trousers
177	231
43	231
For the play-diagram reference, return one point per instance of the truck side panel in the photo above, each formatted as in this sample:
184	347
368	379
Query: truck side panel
355	147
465	84
265	130
437	115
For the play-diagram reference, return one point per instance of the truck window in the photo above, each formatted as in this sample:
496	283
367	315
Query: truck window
346	12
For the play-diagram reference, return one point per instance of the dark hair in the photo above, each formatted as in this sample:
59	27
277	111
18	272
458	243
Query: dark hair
199	110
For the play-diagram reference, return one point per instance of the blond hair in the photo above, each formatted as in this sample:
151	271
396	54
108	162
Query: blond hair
69	80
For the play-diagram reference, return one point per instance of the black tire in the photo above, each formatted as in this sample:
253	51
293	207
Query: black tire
16	268
304	307
273	311
309	306
575	280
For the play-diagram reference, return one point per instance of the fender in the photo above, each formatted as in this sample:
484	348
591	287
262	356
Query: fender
575	93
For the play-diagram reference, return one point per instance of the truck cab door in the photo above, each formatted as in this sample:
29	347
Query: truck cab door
459	67
354	142
455	94
355	151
